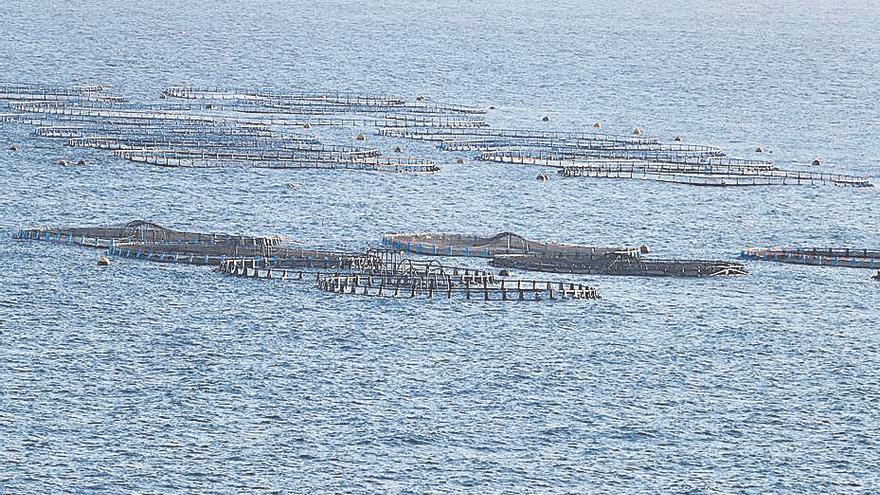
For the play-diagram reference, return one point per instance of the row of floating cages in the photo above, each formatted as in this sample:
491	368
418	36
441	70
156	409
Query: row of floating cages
259	148
140	116
503	290
33	91
195	158
107	130
843	257
321	108
343	97
141	231
727	177
373	261
511	251
444	134
331	101
712	171
551	156
618	264
573	146
649	162
480	246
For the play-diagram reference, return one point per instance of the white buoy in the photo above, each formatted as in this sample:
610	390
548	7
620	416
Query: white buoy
104	261
360	137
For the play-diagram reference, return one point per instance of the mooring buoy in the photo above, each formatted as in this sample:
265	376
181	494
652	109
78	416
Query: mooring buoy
644	249
759	149
817	162
460	161
104	261
678	139
398	149
546	118
638	131
543	177
307	126
597	125
491	107
360	137
504	273
63	162
81	162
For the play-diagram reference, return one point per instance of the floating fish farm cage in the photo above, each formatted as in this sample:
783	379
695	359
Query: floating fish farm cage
277	160
208	131
470	245
683	170
337	101
511	251
618	264
149	233
49	92
842	257
516	137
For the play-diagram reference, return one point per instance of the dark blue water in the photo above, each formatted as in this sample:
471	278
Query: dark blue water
165	379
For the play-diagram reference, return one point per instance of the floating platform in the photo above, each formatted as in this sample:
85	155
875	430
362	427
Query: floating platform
489	246
842	257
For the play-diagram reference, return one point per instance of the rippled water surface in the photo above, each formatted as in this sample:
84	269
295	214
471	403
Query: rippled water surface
163	379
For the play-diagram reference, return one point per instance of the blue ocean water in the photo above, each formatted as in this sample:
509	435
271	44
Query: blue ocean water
144	378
